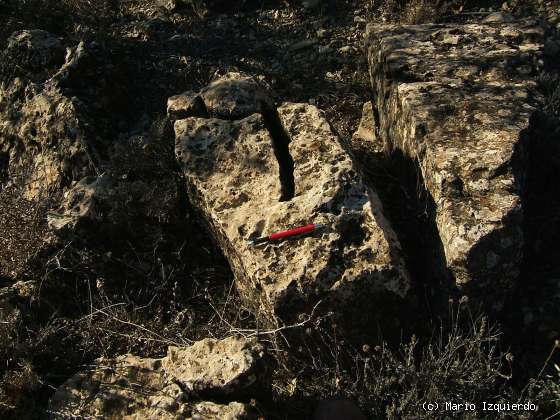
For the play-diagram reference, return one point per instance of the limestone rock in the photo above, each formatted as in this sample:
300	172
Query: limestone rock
138	193
366	130
499	17
463	112
45	132
235	96
130	387
188	104
33	51
214	365
45	140
212	411
82	203
127	387
232	96
242	176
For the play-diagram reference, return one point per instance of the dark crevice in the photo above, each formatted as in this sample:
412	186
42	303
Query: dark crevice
411	210
281	143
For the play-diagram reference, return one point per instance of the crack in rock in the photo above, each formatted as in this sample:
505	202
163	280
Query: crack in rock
231	169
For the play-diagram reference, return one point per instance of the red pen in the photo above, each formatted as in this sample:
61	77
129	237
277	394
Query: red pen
287	233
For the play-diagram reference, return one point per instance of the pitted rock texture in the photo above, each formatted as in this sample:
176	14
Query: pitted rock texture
233	176
127	387
45	140
213	365
131	387
230	97
211	411
187	104
458	99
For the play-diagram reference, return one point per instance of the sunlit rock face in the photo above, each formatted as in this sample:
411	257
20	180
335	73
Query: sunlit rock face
131	387
459	100
282	168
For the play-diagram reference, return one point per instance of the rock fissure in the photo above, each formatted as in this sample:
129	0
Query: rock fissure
231	167
281	144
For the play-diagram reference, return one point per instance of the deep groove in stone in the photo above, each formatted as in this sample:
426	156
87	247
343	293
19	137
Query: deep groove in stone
410	209
281	143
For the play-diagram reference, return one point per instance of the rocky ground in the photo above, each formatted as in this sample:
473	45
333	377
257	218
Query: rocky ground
125	288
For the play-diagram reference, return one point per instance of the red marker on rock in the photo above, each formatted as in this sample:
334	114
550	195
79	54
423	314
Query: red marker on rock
287	233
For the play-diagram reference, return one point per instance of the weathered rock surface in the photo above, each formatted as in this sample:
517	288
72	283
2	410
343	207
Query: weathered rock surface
137	194
82	203
212	365
211	411
230	97
187	104
131	387
33	51
233	171
458	99
44	139
366	132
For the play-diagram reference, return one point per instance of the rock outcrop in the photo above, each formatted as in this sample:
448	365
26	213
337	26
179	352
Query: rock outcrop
131	387
458	99
43	131
272	171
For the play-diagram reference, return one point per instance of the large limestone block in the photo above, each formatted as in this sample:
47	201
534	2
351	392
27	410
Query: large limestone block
234	177
458	99
134	388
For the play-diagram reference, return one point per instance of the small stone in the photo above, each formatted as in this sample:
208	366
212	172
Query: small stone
188	104
321	33
212	411
499	17
525	70
451	39
110	388
235	96
366	130
306	43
